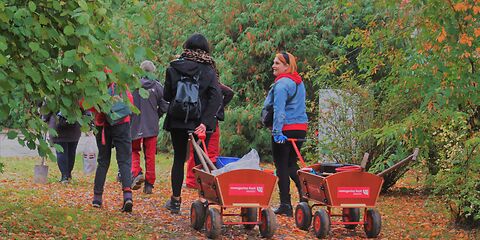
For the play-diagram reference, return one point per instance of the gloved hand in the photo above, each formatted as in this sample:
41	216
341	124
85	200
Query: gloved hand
280	138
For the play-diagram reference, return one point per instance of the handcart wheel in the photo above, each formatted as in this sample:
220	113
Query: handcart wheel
197	215
249	215
268	224
350	215
303	216
213	223
321	223
373	223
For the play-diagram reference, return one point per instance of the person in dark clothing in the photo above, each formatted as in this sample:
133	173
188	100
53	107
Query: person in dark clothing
195	60
108	136
214	143
67	136
144	128
289	121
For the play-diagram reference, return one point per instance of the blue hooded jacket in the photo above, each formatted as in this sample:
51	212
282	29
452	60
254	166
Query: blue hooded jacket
289	107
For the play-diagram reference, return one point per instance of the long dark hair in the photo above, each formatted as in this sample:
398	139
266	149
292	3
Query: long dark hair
197	41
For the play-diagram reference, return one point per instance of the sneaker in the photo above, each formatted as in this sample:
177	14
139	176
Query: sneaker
173	205
96	204
138	181
119	177
284	209
64	180
127	205
148	188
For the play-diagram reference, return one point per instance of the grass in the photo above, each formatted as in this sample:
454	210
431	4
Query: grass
29	210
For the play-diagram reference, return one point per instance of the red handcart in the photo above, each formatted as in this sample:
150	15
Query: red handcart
343	186
247	189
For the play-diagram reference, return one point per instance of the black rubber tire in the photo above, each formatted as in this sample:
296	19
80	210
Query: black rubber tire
321	223
303	216
249	215
373	223
213	223
351	215
197	215
268	224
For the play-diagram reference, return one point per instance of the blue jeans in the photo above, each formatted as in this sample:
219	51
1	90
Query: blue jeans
66	159
118	136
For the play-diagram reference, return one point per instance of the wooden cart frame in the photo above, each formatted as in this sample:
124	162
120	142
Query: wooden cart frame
246	189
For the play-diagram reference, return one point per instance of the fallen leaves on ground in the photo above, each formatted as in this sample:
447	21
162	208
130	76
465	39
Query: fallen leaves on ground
59	210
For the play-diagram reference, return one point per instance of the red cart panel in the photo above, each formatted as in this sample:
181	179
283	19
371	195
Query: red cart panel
243	187
343	189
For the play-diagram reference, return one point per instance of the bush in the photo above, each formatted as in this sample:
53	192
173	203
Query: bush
458	178
242	131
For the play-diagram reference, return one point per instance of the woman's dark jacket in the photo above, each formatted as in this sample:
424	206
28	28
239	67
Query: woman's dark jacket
227	95
66	132
209	93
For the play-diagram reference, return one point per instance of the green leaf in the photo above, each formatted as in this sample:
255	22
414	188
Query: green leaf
68	30
139	54
31	144
143	93
3	60
28	87
33	73
3	44
12	134
83	5
101	11
34	46
69	57
58	148
32	6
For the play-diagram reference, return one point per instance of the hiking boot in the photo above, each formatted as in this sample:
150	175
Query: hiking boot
284	209
127	205
138	181
97	201
173	205
148	188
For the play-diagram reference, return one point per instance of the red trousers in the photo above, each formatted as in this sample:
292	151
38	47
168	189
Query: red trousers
213	153
149	149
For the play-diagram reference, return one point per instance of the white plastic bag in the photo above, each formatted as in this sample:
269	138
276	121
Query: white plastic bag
249	161
89	154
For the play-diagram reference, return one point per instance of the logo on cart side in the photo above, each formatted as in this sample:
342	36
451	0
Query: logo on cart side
353	192
246	189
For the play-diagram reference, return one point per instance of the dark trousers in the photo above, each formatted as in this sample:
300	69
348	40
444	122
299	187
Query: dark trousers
66	159
118	136
180	148
285	160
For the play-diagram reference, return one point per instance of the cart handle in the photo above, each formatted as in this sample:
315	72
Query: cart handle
202	155
412	157
293	140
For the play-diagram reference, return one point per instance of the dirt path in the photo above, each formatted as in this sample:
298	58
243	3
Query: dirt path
11	147
406	214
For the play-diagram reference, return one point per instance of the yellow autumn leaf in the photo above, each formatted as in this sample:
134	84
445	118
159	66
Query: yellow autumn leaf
477	32
476	9
461	7
442	35
465	39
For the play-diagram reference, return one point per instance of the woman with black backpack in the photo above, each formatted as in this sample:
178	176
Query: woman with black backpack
192	88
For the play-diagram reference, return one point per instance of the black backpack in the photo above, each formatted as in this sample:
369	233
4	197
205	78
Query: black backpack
186	105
